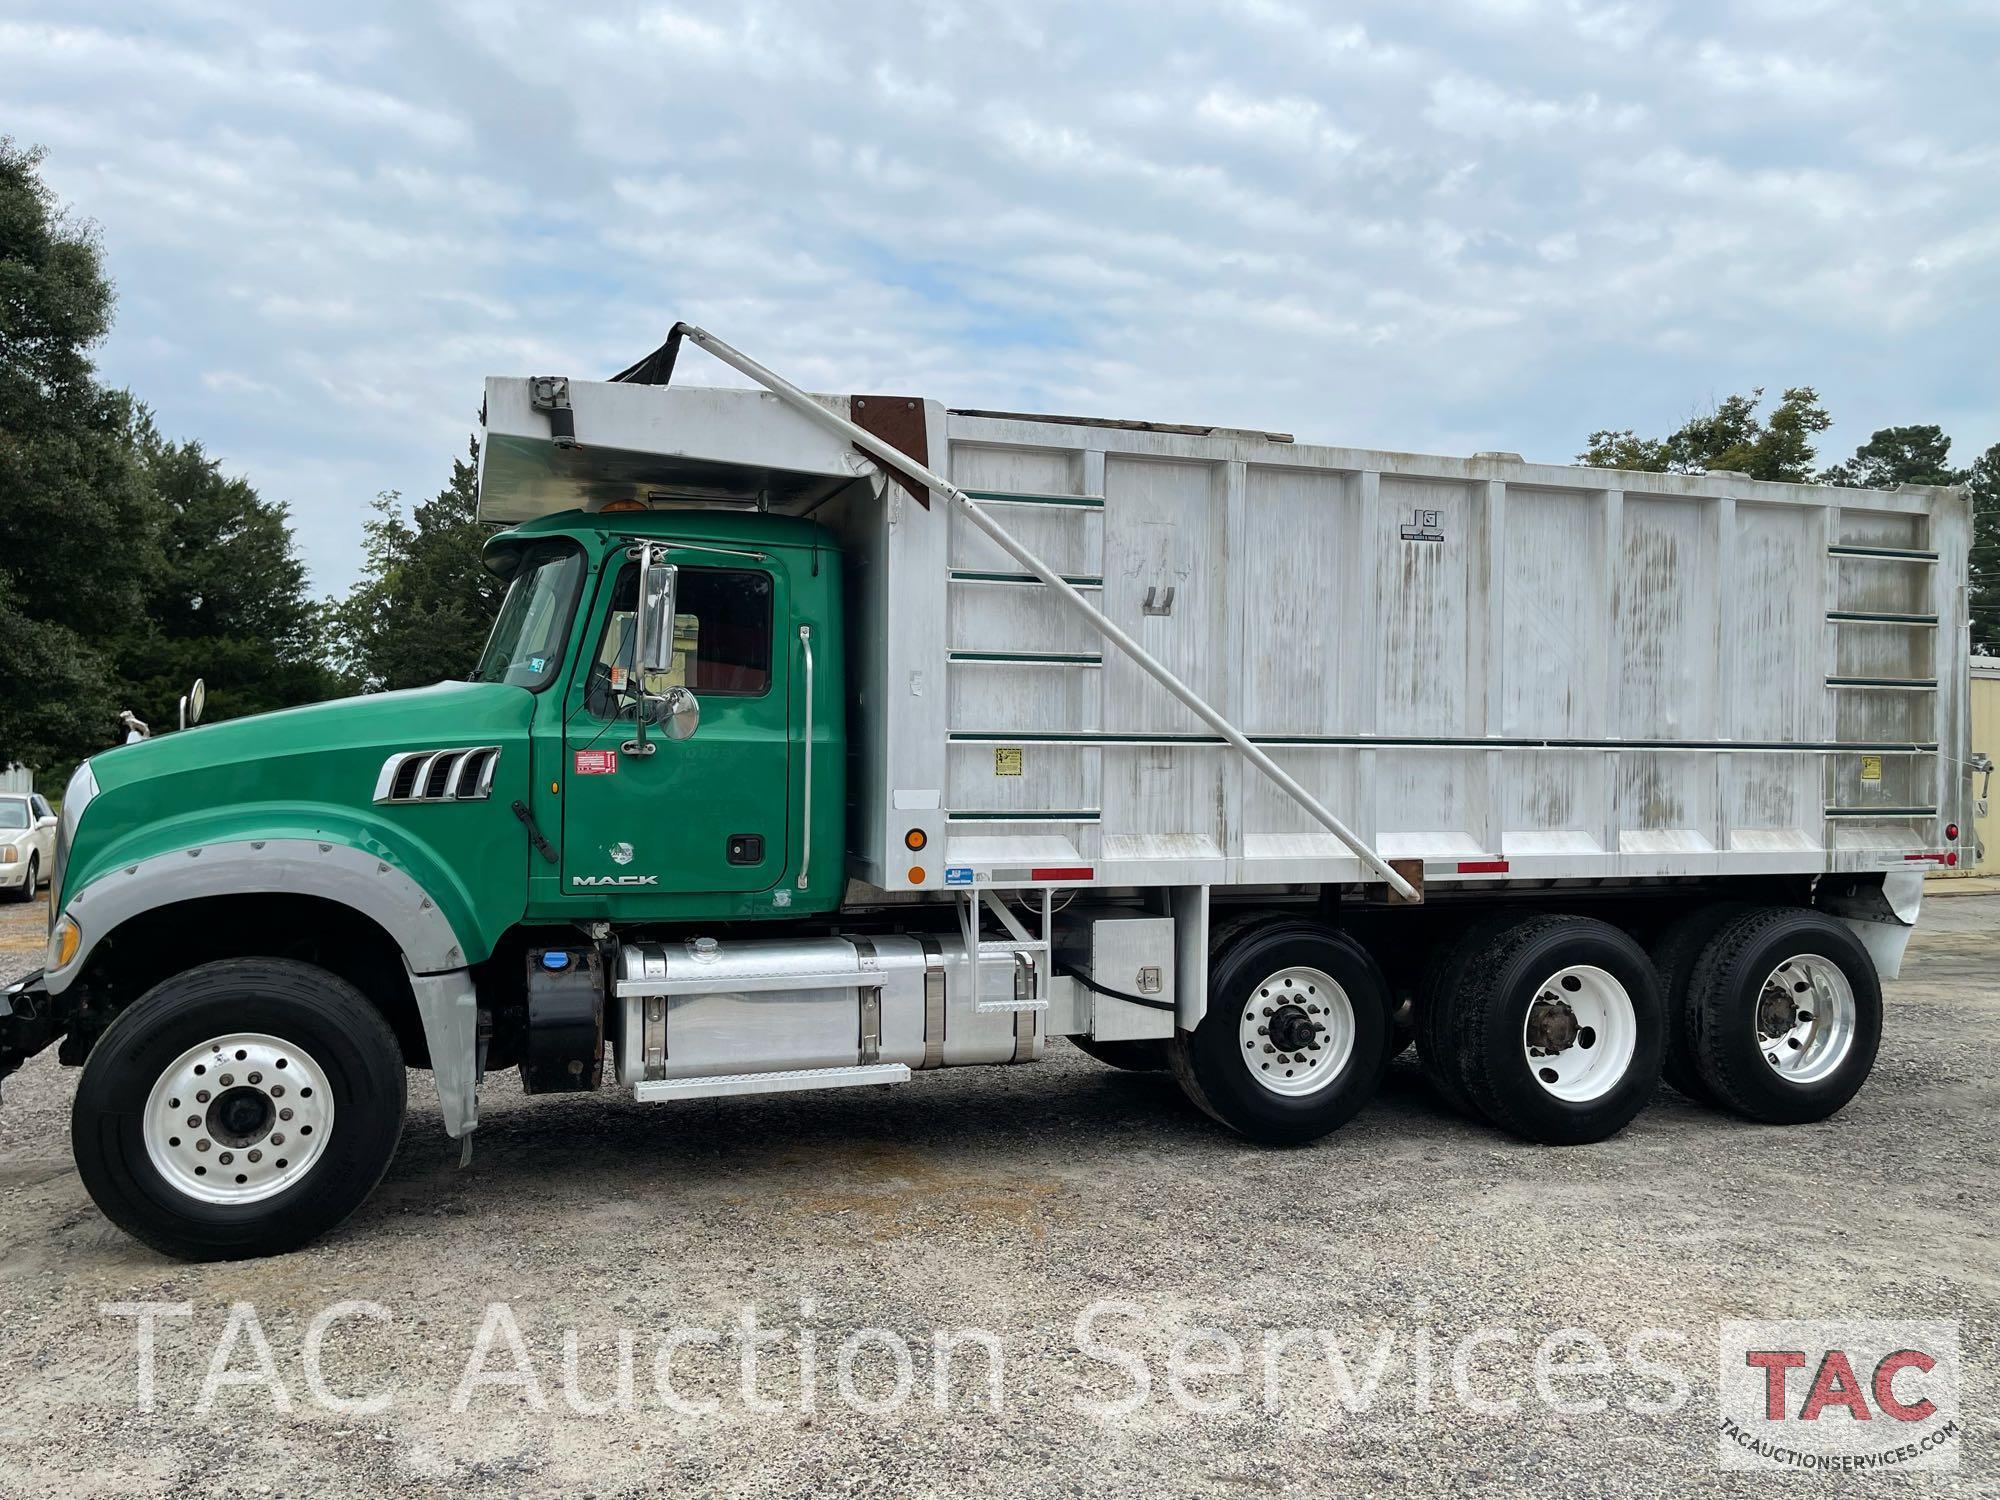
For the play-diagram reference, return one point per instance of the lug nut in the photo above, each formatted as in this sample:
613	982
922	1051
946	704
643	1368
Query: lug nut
277	1091
284	1114
194	1122
255	1078
226	1157
201	1145
256	1155
278	1138
202	1097
226	1080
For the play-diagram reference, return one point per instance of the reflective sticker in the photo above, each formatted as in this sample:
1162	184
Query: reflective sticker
958	874
536	663
597	762
621	853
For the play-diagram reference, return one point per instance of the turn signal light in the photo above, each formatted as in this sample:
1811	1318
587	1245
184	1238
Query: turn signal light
915	839
63	942
916	874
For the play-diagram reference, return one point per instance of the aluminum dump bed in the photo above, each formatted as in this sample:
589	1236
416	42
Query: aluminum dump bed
1510	672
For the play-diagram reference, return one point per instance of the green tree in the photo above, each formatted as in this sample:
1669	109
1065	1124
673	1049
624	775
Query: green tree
1982	481
1898	455
78	527
1730	436
228	602
424	604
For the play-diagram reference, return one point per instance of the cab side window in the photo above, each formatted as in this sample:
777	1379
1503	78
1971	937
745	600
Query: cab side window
722	639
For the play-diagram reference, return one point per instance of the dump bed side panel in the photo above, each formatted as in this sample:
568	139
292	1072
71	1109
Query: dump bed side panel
1510	671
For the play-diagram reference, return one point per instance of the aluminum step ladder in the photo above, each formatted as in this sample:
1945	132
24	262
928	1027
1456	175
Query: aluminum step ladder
1031	956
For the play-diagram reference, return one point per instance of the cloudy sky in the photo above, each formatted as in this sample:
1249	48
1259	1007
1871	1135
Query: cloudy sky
1424	225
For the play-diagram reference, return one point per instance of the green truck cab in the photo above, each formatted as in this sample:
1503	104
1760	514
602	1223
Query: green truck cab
416	844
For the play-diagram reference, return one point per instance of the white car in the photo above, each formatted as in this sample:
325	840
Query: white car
27	843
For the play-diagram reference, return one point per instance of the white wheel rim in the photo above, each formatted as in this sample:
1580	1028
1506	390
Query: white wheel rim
1805	1019
238	1118
1310	1015
1579	1034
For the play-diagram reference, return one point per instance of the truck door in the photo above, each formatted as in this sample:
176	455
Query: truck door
704	814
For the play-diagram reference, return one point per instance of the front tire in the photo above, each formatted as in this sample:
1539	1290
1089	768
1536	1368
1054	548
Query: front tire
1295	1036
31	886
240	1109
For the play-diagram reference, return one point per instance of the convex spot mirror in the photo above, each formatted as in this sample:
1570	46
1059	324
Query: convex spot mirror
677	711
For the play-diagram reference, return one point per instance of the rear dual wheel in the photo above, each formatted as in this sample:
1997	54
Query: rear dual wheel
1295	1037
1784	1013
1550	1027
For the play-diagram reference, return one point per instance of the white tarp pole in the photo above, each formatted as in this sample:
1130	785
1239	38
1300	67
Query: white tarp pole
1105	626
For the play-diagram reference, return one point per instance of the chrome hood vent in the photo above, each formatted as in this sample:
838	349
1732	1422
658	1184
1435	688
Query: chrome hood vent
463	775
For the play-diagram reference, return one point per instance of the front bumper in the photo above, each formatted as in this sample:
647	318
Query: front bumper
12	876
30	1020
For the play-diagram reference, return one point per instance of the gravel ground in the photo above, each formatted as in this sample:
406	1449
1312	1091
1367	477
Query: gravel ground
1011	1201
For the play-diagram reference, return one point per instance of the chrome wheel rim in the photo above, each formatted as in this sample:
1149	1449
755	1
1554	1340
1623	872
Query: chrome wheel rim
1806	1018
1296	1031
238	1118
1579	1034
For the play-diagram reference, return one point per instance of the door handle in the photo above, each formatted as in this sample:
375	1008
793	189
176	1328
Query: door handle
805	842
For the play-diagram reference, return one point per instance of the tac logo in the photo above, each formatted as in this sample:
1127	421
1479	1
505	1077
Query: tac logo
1837	1397
614	880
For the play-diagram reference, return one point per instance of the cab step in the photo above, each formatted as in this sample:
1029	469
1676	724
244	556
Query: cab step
728	1085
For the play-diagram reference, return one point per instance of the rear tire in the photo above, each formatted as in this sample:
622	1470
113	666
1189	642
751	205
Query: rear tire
1130	1057
1553	1030
1293	1042
1675	952
1787	1013
240	1109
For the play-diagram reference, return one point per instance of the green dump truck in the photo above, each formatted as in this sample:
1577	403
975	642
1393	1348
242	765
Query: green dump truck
821	741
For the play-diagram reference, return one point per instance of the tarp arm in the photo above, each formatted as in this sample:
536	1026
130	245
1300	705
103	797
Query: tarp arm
657	368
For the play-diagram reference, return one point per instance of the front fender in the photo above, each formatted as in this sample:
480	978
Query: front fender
377	869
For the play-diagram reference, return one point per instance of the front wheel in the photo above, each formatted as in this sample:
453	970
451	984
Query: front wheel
1294	1040
239	1109
32	885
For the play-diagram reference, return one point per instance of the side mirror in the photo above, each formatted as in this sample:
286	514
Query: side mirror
677	711
50	822
653	650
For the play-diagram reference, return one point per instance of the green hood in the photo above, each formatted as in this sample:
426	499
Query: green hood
313	773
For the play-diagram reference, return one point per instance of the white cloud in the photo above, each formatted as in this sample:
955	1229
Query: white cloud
1420	224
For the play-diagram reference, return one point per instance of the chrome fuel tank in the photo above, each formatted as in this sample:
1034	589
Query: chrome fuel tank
703	1006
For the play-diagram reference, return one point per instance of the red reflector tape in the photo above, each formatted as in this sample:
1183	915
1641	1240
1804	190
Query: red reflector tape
1482	867
1061	872
1933	858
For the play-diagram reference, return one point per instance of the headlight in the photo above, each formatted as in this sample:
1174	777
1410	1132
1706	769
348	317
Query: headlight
64	940
8	854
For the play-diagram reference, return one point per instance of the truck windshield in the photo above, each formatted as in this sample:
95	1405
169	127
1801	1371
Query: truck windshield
526	646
